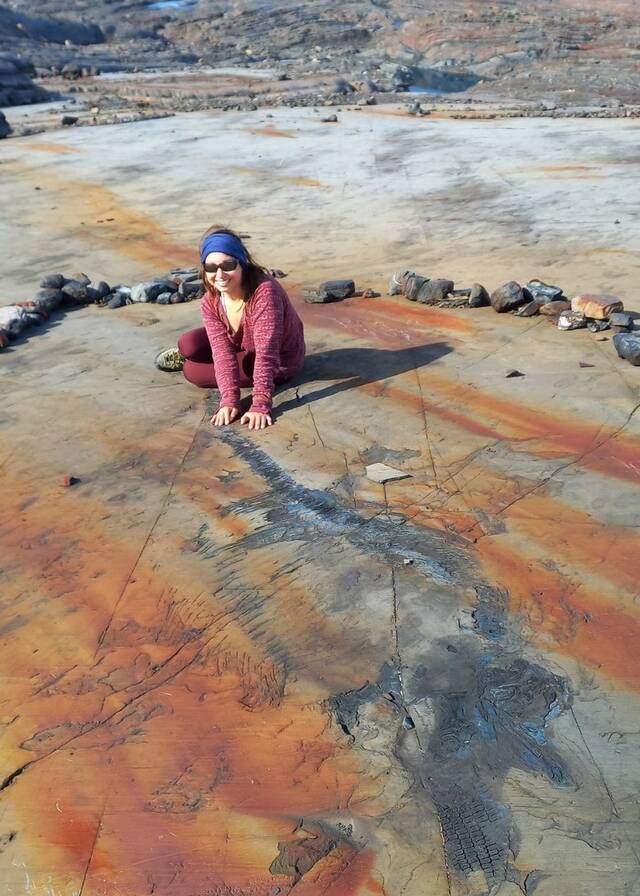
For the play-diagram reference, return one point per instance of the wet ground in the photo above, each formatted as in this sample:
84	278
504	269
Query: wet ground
232	664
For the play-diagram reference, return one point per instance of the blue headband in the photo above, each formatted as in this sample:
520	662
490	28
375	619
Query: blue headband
225	243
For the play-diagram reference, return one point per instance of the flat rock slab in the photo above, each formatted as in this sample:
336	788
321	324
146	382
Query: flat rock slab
383	473
233	664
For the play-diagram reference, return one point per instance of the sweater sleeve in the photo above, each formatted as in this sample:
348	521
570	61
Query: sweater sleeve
268	325
225	362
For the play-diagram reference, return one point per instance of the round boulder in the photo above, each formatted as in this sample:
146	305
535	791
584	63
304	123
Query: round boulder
507	297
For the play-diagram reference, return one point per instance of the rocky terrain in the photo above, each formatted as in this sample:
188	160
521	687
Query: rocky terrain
133	58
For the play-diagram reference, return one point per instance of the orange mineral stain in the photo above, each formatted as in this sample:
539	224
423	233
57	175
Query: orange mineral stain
565	616
124	229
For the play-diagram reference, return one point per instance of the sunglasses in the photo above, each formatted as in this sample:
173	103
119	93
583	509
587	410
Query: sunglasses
230	264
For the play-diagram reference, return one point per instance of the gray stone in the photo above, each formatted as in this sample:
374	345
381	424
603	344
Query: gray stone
478	296
507	297
412	286
433	291
48	300
75	293
329	119
398	281
596	326
622	319
79	277
343	86
117	301
543	292
314	297
183	273
68	121
191	289
338	289
149	291
5	127
164	298
103	289
53	281
628	347
71	71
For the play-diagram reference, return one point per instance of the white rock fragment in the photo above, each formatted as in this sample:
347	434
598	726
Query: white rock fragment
383	473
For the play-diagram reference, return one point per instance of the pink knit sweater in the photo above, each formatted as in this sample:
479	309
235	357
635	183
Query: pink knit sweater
270	328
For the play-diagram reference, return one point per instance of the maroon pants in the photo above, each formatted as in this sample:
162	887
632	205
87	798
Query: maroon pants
198	367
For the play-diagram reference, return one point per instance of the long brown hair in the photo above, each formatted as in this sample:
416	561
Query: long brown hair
252	274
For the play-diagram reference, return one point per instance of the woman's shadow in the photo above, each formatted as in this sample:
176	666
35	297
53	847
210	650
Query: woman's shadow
356	367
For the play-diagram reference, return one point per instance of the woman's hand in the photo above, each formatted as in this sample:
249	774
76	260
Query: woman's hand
256	420
224	416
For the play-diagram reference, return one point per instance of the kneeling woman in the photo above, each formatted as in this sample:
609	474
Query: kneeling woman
252	335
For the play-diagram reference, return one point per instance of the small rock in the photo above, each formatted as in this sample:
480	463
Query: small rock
433	291
79	277
328	119
621	319
338	289
398	282
191	289
512	373
370	294
47	300
478	296
552	309
596	326
164	298
598	307
314	297
53	281
117	301
412	286
69	120
5	127
343	86
277	273
571	320
75	293
543	291
530	309
103	289
628	347
176	298
382	473
585	364
149	291
68	481
507	297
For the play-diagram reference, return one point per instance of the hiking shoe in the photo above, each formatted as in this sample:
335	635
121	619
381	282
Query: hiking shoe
169	359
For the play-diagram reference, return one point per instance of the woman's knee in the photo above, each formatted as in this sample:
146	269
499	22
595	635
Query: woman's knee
194	343
201	375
